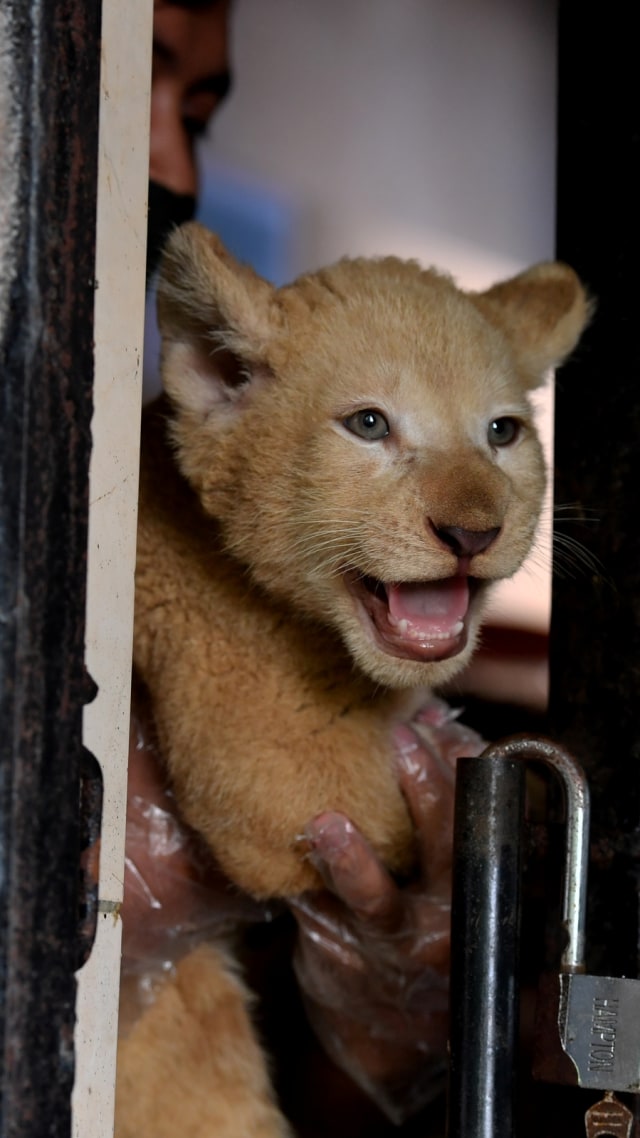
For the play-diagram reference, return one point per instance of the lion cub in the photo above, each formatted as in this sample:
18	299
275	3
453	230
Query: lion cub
340	471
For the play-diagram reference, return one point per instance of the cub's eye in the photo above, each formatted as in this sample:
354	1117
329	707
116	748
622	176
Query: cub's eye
503	431
367	424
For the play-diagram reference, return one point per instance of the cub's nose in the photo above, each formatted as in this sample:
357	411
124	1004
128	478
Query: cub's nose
465	542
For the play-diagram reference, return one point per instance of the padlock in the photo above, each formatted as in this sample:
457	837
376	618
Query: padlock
588	1027
591	1033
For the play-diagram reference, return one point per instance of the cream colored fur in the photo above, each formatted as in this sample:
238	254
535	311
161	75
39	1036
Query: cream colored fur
191	1066
275	674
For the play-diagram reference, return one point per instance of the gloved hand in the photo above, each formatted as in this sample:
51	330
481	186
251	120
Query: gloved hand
372	957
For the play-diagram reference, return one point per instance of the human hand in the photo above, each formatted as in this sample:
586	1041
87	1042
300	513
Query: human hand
372	957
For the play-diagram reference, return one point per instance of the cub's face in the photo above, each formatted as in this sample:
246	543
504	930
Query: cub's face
366	440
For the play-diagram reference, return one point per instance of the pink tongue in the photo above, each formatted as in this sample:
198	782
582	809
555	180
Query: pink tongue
430	607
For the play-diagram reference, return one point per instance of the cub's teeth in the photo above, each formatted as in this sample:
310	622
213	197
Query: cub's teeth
413	632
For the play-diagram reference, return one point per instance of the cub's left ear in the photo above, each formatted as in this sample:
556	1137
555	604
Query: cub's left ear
543	313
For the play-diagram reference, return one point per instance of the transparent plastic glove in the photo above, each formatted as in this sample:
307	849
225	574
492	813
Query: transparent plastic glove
174	894
372	958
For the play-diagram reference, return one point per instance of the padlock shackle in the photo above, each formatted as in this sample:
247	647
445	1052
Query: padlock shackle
575	788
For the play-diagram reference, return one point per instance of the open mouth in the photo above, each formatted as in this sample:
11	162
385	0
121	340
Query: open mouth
415	620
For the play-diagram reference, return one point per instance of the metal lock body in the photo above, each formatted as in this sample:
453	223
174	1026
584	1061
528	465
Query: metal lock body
599	1028
588	1032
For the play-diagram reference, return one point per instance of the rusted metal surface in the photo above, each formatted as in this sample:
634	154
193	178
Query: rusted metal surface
50	81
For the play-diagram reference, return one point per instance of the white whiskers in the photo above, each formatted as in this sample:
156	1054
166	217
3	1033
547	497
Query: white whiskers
571	557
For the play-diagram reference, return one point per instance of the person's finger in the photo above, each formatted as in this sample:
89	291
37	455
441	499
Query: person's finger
427	784
353	872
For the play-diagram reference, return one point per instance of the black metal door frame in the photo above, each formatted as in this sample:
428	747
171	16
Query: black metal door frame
595	630
50	91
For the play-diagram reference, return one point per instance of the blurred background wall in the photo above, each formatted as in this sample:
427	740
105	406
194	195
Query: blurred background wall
422	127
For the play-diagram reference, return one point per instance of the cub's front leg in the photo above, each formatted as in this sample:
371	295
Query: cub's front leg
192	1064
262	720
251	763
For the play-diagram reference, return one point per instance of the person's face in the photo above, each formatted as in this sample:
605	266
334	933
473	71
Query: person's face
190	79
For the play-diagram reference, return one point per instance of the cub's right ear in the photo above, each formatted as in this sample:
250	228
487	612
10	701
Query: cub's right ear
215	318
